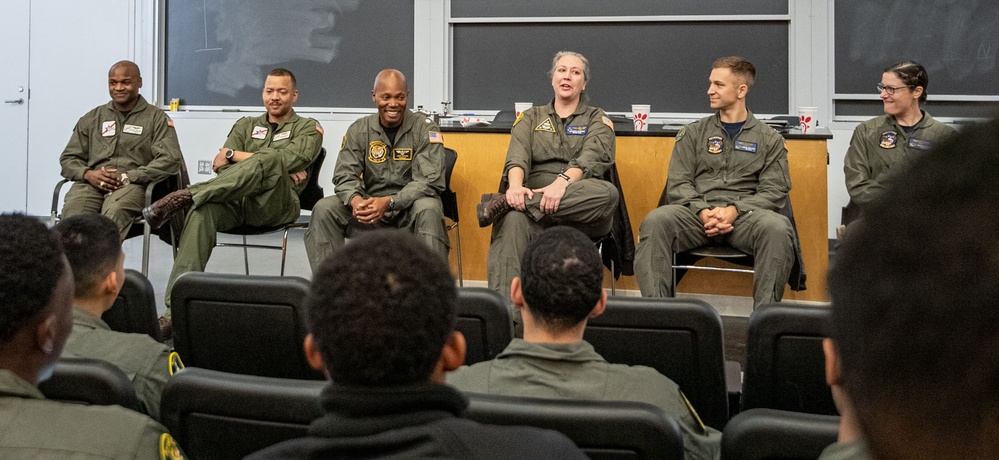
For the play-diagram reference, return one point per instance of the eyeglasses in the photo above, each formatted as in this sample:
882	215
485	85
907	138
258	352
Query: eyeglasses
891	89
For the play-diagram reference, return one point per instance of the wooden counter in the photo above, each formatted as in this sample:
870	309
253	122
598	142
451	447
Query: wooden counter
641	163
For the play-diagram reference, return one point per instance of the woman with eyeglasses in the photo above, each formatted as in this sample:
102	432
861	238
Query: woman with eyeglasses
881	145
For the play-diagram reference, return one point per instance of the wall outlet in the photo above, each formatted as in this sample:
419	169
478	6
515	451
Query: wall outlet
204	167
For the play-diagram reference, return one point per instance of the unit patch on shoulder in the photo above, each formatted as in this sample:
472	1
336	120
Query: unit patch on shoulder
174	362
889	139
402	154
714	144
608	122
436	137
169	449
319	128
343	143
679	135
519	117
545	126
377	152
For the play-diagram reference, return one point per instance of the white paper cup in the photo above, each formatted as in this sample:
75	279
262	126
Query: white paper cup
807	118
521	107
640	115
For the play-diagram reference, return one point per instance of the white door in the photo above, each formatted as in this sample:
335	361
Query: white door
73	44
14	110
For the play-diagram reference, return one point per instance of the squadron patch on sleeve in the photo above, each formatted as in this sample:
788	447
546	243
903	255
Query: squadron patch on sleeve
377	152
679	135
545	126
889	139
169	449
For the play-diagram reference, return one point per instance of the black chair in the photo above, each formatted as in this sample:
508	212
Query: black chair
134	310
680	338
242	324
484	320
92	382
785	364
504	118
759	434
601	429
450	202
154	190
312	193
218	415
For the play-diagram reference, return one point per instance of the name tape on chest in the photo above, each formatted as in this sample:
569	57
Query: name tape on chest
576	130
132	129
745	146
259	132
281	136
402	154
109	128
920	144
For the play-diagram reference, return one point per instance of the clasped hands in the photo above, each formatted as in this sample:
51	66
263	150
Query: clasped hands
718	220
369	210
104	179
551	196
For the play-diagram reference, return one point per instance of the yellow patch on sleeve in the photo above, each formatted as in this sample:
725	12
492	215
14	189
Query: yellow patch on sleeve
175	363
343	143
519	117
169	449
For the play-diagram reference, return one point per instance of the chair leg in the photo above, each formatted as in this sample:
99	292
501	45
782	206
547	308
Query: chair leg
673	267
246	257
146	233
457	244
613	289
284	250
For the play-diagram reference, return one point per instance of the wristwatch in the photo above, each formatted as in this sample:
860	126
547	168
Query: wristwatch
391	203
124	179
229	154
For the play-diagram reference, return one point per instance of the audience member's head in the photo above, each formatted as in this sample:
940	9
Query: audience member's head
36	297
915	294
382	312
561	280
93	248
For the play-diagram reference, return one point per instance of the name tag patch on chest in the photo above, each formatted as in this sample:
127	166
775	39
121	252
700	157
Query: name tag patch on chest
402	154
744	146
259	132
545	126
714	144
281	136
109	128
576	130
377	152
921	144
132	129
889	139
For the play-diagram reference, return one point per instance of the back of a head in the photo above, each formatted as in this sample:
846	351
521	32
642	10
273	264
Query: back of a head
93	247
915	289
31	265
561	278
381	309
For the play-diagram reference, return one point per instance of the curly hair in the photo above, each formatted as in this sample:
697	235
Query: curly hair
381	309
93	246
561	277
31	264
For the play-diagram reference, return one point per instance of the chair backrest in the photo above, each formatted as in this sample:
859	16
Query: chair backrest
484	320
680	338
219	415
134	310
759	434
242	324
313	192
504	117
785	365
601	429
90	381
448	198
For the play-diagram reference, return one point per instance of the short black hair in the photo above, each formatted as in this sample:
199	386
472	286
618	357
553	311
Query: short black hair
92	245
282	72
31	265
381	309
911	73
561	277
915	298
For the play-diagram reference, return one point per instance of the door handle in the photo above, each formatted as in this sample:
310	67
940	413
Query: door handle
14	101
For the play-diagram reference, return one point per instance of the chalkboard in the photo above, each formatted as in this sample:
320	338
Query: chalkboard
218	52
957	42
578	8
662	64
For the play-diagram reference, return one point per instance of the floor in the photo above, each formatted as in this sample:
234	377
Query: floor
734	311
